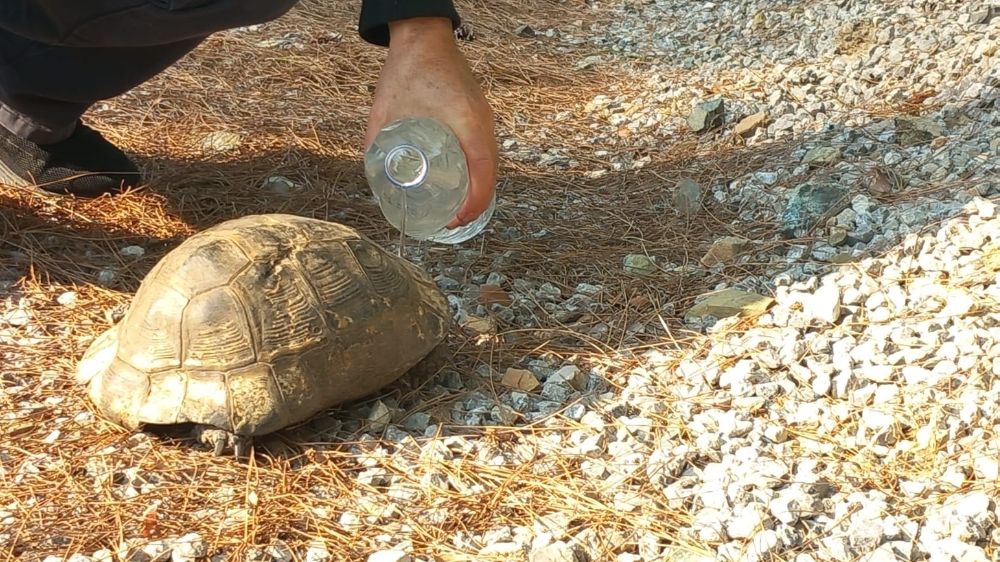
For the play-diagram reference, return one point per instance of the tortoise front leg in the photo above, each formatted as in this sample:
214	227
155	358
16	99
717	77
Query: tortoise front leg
221	440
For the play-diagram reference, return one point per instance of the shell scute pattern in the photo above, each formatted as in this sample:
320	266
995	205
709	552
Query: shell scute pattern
170	389
151	340
385	274
256	403
211	399
281	308
216	332
339	284
202	265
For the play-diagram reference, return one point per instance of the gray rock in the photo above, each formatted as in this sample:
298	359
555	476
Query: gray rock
808	204
984	15
389	556
911	131
822	156
317	552
188	548
417	421
639	264
279	185
524	30
746	521
106	277
557	391
379	416
559	551
707	115
687	197
570	375
132	251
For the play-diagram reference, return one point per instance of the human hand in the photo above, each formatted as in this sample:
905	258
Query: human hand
426	75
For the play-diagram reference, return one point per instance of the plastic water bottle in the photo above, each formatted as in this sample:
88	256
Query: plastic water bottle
418	174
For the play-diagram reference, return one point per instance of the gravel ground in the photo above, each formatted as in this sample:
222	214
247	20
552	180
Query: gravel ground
845	403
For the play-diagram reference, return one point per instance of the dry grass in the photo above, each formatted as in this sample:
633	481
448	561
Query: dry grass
300	112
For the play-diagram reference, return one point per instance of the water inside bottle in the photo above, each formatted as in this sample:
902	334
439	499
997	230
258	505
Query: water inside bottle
405	166
402	228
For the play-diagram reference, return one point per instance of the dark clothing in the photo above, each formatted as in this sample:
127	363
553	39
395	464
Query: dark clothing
58	57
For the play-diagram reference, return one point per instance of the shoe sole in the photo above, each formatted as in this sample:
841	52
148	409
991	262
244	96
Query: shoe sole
8	177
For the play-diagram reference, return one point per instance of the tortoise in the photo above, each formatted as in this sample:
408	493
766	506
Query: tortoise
259	323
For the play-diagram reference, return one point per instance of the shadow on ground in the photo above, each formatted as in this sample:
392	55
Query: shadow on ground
576	229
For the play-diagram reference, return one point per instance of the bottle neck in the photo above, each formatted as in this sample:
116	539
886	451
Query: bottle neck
406	166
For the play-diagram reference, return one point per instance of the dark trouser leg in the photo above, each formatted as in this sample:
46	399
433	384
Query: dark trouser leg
44	92
58	57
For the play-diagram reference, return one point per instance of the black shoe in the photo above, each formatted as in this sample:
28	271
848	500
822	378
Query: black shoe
85	164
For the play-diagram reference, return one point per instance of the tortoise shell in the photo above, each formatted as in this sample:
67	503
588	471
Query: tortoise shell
261	322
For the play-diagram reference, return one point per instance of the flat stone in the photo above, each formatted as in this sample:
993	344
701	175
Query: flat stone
132	251
493	294
749	124
729	302
639	264
983	15
707	115
822	155
725	250
687	197
380	416
912	131
479	325
809	203
521	379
